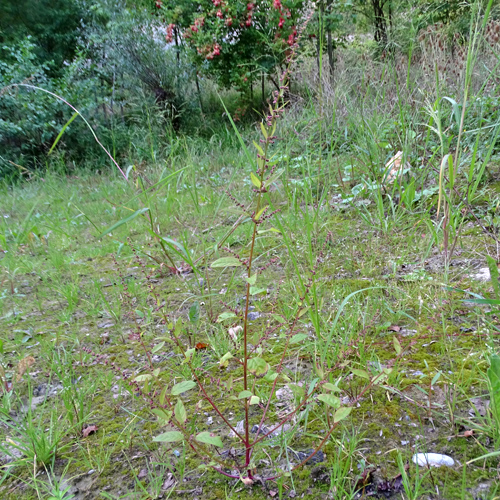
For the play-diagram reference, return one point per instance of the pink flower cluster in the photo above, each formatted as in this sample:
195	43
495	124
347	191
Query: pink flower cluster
170	33
194	28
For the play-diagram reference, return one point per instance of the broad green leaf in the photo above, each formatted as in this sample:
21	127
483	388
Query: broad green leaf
342	413
183	387
312	386
254	400
257	367
180	412
169	437
158	347
244	394
259	213
189	354
264	131
124	221
209	438
278	318
143	378
255	180
225	315
331	387
254	290
330	400
270	376
298	337
397	345
252	280
194	313
162	414
275	176
163	395
224	361
258	148
226	262
303	311
361	373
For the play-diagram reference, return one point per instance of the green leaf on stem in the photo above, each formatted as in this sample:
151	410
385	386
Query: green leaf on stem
162	414
180	412
224	361
255	180
254	400
245	394
209	438
330	400
194	313
258	148
341	414
397	345
189	354
183	387
252	279
259	213
257	367
158	347
226	262
298	337
264	131
225	315
331	387
361	373
169	437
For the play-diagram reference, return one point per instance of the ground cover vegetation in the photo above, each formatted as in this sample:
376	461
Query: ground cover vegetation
249	249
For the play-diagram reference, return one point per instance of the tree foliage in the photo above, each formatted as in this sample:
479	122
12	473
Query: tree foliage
236	41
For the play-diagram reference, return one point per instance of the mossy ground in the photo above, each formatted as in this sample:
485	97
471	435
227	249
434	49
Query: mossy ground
62	291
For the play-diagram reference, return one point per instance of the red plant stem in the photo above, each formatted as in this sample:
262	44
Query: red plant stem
278	370
207	397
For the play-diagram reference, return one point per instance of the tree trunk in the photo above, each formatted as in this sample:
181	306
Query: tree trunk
380	23
331	55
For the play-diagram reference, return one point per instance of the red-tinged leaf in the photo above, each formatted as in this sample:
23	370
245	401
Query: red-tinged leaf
200	345
394	328
89	429
468	433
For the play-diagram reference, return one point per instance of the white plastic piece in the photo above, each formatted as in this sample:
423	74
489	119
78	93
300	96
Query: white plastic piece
432	460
